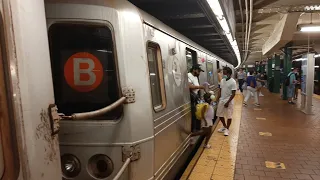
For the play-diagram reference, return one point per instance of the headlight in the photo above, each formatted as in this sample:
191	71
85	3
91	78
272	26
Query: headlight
70	166
100	166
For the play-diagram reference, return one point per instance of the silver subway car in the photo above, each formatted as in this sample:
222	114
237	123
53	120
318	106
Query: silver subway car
120	79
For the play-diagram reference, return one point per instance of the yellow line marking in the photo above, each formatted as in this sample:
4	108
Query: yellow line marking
259	118
275	165
257	109
218	163
316	96
265	134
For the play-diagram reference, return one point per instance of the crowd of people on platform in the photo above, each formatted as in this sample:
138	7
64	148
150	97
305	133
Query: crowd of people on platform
202	108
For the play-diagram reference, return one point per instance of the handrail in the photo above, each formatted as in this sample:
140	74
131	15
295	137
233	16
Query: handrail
96	113
124	166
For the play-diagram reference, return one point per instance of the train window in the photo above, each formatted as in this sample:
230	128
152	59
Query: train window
210	72
191	57
156	77
84	68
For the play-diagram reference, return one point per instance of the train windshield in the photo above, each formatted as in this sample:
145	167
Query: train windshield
84	68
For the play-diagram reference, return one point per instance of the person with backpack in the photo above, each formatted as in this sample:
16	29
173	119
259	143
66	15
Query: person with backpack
205	114
251	88
290	83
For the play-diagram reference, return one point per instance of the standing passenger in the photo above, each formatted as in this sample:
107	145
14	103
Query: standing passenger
194	87
251	89
241	76
291	85
228	87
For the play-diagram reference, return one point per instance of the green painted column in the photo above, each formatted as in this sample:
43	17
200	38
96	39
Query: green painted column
276	85
287	65
269	72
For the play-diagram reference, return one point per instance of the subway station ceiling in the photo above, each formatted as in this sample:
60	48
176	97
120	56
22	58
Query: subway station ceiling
266	14
195	20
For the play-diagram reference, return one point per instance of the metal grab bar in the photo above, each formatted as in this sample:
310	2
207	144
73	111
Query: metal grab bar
96	113
124	166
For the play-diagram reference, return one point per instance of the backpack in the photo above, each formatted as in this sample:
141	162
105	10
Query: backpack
199	109
287	80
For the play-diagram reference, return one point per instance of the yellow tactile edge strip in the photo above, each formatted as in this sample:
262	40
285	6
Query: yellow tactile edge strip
218	163
316	96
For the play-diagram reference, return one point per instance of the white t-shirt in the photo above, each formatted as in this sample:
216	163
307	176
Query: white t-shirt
226	89
194	81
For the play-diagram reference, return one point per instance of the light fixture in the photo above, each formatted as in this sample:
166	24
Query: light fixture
309	28
317	55
218	12
300	59
316	66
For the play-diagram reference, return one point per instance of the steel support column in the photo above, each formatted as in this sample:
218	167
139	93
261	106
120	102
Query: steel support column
276	81
287	65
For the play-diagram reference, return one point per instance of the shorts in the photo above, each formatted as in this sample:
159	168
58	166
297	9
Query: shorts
259	85
290	91
225	112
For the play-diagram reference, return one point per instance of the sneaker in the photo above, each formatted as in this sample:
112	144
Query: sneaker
245	104
221	130
261	95
207	146
226	132
290	102
258	105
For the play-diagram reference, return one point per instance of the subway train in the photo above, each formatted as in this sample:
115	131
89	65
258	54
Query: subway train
116	78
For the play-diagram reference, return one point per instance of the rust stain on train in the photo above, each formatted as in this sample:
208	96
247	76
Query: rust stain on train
43	131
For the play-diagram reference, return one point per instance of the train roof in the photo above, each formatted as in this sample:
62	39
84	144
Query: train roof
145	18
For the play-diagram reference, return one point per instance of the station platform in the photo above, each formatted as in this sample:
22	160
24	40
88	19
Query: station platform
273	142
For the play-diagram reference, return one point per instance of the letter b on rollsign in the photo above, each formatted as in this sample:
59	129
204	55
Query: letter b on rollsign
83	72
77	72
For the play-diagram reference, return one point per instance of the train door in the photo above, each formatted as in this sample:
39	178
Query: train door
210	72
9	159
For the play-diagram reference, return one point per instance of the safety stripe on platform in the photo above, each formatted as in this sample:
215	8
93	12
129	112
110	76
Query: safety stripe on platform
218	163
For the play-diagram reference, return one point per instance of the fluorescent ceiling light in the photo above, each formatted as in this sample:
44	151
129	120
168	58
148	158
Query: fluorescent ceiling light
310	28
316	66
312	8
218	12
300	59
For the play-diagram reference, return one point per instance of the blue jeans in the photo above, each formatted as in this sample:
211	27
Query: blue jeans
290	90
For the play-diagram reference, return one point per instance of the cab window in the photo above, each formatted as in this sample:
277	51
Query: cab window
84	68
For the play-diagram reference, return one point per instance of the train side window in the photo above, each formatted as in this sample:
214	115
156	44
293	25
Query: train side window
84	68
191	57
156	77
210	72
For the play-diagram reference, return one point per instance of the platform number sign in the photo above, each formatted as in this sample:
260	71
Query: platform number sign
83	72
